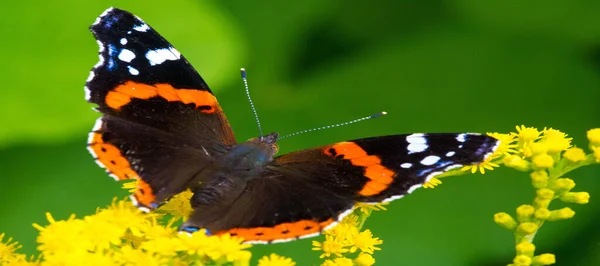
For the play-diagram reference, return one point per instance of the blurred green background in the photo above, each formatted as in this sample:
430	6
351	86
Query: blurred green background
434	66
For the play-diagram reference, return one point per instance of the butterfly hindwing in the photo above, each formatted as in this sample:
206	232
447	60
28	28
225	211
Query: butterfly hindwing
302	193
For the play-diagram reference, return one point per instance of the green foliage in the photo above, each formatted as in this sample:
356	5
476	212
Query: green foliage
432	65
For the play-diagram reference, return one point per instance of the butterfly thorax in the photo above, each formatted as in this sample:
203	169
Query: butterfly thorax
227	177
252	155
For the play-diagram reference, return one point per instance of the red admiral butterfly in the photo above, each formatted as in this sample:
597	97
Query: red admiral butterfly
163	126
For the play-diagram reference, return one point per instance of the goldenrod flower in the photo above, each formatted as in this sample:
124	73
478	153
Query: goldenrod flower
364	259
368	207
365	242
593	136
596	153
507	144
179	205
275	260
574	155
544	259
433	182
525	212
228	249
525	248
487	164
127	255
556	141
329	247
543	161
549	154
522	260
338	262
527	134
505	220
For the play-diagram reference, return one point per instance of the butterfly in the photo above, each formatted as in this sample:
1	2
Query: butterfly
162	126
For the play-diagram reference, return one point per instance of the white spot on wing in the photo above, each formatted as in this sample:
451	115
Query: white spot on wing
123	41
159	56
450	154
126	55
430	160
461	137
417	143
142	28
406	165
133	70
88	93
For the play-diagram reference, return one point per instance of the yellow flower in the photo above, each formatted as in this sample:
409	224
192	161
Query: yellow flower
543	161
196	243
338	262
179	205
329	246
62	236
593	136
130	186
596	153
130	256
522	260
516	162
275	260
527	134
433	182
228	249
364	259
574	155
556	141
365	242
366	208
7	249
123	214
8	256
102	233
544	259
167	246
576	197
507	145
525	248
505	220
481	166
344	232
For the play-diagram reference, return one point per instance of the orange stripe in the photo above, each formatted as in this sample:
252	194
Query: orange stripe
110	156
280	231
124	93
380	176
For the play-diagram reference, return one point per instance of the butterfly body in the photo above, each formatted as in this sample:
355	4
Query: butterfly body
162	126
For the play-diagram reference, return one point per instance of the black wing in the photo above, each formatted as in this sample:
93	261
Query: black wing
161	122
302	193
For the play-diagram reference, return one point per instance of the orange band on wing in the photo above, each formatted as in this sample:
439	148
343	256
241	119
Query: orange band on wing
122	95
284	231
380	176
109	156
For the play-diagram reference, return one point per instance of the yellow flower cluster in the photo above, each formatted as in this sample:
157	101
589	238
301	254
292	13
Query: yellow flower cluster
347	238
548	155
122	235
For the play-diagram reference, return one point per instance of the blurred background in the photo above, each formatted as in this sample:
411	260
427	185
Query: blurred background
434	66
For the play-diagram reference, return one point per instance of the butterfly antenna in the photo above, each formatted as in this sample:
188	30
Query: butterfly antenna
335	125
243	70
